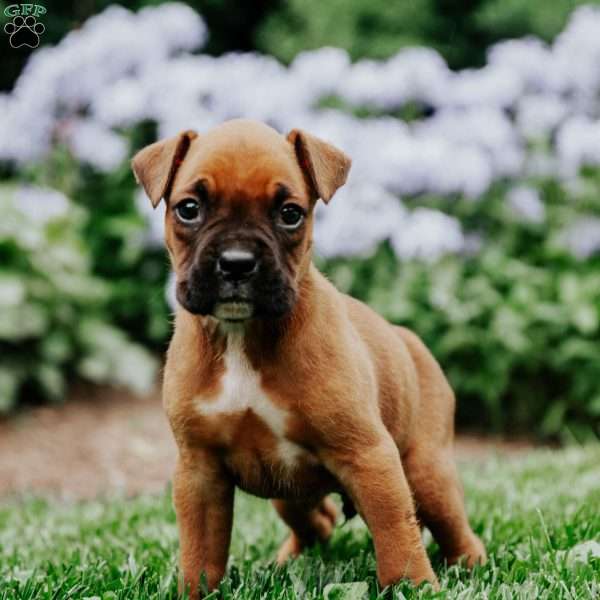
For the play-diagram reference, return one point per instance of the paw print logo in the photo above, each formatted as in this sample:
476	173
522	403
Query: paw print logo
24	31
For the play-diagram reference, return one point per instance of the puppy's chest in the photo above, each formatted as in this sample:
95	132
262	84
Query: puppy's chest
252	428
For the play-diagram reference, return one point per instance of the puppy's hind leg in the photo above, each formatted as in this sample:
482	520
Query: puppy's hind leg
440	505
309	521
429	463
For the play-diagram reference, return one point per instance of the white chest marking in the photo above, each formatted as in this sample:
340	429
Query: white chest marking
241	390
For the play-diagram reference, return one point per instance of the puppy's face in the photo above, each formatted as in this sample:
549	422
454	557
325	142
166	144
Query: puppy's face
239	213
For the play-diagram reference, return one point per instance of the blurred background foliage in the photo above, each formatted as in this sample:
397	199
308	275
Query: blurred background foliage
57	312
232	25
460	30
516	325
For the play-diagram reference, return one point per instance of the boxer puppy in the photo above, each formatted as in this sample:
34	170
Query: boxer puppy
277	383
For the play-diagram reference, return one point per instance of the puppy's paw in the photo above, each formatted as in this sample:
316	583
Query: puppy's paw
472	553
323	518
291	548
321	521
425	575
432	580
417	576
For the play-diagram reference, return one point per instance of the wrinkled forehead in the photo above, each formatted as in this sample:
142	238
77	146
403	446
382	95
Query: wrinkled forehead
241	165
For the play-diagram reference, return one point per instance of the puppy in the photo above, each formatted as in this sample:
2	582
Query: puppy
277	383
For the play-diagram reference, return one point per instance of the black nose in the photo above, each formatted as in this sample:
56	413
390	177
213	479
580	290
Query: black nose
236	265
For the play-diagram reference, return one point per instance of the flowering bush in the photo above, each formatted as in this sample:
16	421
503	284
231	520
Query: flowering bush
456	175
52	309
527	113
515	324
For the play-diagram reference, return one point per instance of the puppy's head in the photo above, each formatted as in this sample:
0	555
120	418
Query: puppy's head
239	214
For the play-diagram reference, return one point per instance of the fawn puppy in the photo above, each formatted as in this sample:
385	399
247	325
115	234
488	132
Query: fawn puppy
277	383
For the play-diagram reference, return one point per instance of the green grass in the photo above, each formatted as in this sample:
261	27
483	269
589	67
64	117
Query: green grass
529	511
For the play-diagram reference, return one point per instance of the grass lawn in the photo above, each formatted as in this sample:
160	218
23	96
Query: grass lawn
533	514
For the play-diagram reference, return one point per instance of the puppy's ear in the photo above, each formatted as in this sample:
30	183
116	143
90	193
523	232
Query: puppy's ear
155	166
325	167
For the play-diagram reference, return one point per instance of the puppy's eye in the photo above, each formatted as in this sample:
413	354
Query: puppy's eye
291	216
188	211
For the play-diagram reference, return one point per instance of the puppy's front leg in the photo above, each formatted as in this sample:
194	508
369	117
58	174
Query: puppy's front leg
375	480
203	498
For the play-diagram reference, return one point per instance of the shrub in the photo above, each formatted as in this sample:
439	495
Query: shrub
232	25
53	323
134	269
500	19
460	31
516	325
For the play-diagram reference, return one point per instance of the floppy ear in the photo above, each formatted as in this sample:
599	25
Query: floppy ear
155	166
325	167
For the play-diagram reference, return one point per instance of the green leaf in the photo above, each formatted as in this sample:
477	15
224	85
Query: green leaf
554	418
12	290
9	382
585	318
346	591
